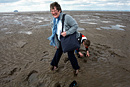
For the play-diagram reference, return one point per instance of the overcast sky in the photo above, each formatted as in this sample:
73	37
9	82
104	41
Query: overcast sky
43	5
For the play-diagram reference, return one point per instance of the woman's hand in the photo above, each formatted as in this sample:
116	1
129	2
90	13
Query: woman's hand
56	47
63	34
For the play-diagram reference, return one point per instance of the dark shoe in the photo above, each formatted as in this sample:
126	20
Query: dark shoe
54	68
73	84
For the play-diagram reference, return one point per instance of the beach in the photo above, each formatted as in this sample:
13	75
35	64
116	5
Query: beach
25	53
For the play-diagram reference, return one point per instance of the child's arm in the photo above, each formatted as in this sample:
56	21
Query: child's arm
87	54
78	52
81	54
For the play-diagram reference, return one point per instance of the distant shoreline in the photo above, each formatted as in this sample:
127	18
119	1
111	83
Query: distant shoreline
70	10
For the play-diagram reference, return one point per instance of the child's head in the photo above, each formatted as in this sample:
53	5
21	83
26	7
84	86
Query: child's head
86	43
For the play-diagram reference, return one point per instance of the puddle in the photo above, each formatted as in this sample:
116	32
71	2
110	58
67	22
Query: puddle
80	29
39	26
106	27
81	15
88	22
98	28
106	21
117	27
17	22
91	23
8	14
98	14
45	25
4	29
25	32
8	22
46	20
40	21
120	25
40	17
92	20
8	32
84	21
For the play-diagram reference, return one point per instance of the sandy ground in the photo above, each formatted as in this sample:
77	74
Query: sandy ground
25	53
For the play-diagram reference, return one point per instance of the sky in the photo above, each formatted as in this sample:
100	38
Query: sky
44	5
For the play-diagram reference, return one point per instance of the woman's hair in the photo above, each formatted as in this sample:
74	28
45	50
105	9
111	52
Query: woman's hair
87	43
55	4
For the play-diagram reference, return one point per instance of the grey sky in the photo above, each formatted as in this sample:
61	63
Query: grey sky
43	5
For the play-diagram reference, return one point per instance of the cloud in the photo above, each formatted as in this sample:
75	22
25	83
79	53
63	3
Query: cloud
43	5
8	1
25	5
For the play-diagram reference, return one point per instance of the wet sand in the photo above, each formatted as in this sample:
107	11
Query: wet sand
25	53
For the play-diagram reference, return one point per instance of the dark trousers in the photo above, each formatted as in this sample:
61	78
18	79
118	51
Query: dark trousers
71	57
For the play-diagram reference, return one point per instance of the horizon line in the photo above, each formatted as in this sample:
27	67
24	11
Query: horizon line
71	10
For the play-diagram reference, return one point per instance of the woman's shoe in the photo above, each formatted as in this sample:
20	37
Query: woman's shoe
76	72
54	68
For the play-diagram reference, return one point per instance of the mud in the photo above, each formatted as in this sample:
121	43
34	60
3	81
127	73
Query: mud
25	53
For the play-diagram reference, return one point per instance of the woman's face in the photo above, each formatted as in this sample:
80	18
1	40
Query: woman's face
55	13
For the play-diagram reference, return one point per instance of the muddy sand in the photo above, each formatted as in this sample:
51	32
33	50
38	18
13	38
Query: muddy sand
25	53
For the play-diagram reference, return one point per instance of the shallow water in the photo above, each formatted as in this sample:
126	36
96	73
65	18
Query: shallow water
116	27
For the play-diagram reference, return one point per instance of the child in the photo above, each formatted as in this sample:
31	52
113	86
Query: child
86	43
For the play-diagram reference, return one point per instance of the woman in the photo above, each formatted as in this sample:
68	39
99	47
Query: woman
70	26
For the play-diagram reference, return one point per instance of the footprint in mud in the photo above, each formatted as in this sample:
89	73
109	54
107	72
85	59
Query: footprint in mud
28	64
99	51
32	77
106	54
116	52
40	85
45	60
14	71
45	57
45	53
101	46
57	84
